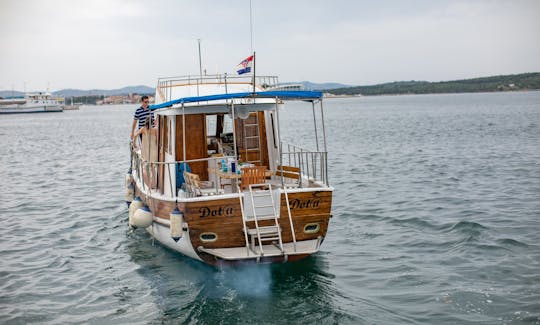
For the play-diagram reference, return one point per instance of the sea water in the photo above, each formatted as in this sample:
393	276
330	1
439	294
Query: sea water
436	220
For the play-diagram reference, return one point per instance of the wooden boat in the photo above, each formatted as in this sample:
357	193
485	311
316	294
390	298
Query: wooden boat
224	188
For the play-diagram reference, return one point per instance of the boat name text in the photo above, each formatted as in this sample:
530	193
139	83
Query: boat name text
221	211
305	204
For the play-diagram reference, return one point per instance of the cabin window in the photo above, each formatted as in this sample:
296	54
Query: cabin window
208	237
211	125
219	134
212	138
227	124
311	228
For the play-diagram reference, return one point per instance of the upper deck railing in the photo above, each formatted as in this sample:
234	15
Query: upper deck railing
167	84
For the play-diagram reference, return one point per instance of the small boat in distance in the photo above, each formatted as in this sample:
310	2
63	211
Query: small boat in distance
221	185
40	102
72	106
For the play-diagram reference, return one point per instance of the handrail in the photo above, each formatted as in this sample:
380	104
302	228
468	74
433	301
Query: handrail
165	84
266	81
312	163
244	225
290	218
152	171
255	219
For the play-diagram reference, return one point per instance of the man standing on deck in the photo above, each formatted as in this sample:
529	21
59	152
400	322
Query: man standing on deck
141	114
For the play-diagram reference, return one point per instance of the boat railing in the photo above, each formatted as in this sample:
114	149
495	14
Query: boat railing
312	164
150	172
165	85
156	176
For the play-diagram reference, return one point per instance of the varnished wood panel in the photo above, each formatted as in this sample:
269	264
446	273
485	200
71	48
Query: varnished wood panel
196	146
264	144
224	218
306	207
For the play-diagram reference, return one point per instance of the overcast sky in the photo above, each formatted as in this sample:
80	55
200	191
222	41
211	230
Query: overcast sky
108	44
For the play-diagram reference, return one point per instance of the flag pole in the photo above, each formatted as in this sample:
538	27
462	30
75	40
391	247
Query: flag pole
253	71
251	40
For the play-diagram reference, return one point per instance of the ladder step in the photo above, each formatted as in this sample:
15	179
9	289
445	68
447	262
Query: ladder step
251	124
263	206
268	230
259	218
269	238
252	137
263	193
258	185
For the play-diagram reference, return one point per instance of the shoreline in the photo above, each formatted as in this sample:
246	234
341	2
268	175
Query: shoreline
414	94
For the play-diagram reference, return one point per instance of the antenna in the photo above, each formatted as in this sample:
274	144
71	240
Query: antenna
200	61
251	25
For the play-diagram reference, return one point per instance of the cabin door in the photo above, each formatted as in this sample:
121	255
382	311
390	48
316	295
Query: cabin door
166	154
272	140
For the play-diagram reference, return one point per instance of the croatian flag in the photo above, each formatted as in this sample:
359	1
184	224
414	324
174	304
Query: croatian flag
245	65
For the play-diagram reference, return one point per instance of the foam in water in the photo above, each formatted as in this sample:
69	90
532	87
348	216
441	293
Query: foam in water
247	280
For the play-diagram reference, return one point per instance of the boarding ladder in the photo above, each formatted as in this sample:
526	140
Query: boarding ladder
260	211
252	142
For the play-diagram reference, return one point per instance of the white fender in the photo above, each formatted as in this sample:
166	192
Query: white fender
176	219
142	218
134	206
130	191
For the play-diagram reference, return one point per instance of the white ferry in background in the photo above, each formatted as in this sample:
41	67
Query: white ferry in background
40	102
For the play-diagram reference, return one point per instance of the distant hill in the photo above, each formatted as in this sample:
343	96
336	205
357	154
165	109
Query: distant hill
104	92
91	92
11	93
524	81
149	90
324	86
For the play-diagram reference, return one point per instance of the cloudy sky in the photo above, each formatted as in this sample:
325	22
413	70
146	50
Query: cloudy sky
115	43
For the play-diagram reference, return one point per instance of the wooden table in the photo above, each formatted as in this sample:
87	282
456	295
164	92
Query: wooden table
234	177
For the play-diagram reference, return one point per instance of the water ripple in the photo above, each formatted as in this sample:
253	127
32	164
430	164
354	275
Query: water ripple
435	220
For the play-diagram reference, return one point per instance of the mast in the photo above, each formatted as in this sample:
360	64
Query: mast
251	25
200	66
251	41
200	60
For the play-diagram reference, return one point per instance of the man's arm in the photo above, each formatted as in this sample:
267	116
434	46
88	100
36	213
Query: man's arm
133	129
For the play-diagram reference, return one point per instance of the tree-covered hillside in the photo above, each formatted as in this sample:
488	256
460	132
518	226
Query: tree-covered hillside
525	81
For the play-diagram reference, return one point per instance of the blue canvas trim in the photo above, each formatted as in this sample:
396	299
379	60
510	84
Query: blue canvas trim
282	94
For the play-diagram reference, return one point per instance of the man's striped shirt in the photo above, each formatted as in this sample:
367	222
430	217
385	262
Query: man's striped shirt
141	114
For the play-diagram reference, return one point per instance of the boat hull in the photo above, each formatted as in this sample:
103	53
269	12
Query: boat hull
221	219
30	109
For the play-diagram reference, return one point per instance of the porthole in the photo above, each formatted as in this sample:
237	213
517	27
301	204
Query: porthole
311	228
208	237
